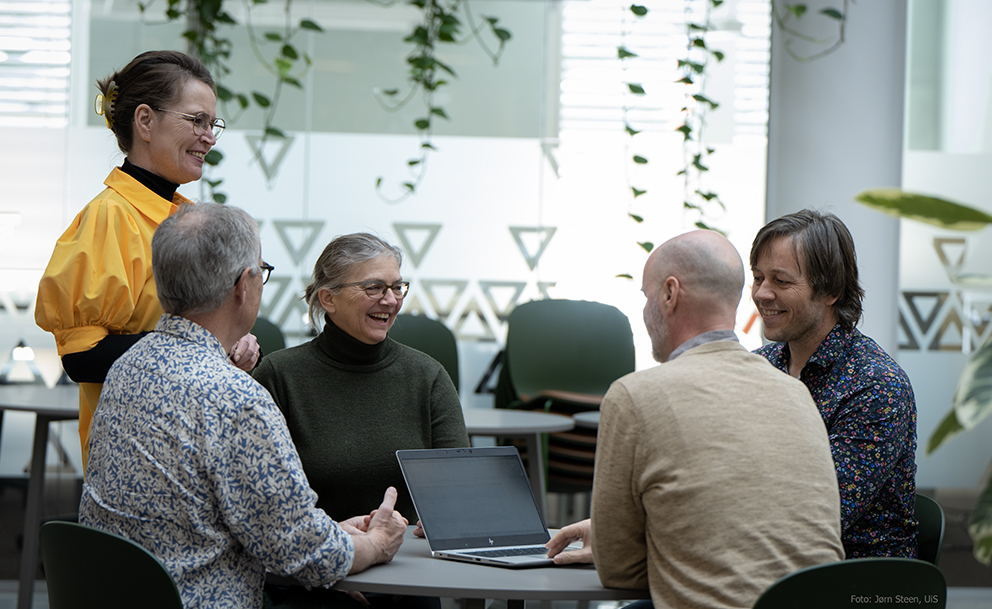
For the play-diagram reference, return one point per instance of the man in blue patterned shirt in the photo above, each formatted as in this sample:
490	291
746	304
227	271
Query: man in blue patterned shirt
192	459
807	291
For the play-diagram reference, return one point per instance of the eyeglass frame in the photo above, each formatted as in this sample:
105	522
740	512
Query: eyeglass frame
365	285
266	270
215	122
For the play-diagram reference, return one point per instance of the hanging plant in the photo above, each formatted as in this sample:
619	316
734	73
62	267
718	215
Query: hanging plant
440	24
274	50
794	12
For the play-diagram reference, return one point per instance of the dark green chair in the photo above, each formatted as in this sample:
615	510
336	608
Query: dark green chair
561	356
879	583
87	568
269	336
930	534
429	336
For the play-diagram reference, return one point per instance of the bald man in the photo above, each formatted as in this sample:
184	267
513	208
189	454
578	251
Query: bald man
714	476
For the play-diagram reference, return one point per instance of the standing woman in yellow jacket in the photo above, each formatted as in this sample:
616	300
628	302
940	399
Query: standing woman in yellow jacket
97	295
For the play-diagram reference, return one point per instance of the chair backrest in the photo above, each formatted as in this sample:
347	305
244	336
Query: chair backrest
430	336
869	582
88	568
270	337
930	534
567	345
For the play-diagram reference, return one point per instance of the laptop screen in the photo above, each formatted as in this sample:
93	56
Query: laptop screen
473	497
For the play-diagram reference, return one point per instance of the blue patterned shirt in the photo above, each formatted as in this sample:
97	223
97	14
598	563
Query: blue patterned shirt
191	458
867	403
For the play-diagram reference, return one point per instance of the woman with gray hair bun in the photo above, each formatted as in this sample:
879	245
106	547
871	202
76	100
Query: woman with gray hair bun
353	396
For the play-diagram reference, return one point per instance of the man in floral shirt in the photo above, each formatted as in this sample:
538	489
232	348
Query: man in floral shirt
807	291
192	459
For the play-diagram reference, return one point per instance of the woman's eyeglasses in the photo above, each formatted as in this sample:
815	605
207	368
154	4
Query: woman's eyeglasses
202	122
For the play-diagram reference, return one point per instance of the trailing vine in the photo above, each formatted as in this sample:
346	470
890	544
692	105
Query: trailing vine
696	199
205	40
795	12
440	24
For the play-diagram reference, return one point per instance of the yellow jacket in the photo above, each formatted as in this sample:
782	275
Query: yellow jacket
99	279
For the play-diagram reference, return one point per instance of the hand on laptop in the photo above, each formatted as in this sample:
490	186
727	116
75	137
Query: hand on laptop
377	536
419	531
571	533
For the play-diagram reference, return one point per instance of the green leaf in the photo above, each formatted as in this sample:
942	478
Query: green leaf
378	182
945	430
390	92
697	163
623	53
274	132
798	10
637	193
624	276
647	245
630	130
214	183
224	94
973	396
931	210
692	65
685	80
313	26
502	34
699	97
636	218
635	88
716	3
698	43
640	160
695	27
718	55
242	100
428	146
273	36
413	162
260	99
410	186
685	130
709	196
832	13
638	10
422	123
980	526
440	112
220	197
289	51
213	157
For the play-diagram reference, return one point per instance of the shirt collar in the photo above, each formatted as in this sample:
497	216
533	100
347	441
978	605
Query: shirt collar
701	339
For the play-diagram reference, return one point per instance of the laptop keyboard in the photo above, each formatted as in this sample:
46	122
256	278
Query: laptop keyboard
527	551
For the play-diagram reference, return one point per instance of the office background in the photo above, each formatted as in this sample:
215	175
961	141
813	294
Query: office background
529	193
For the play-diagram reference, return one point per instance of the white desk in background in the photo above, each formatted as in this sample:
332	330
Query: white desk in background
58	404
519	423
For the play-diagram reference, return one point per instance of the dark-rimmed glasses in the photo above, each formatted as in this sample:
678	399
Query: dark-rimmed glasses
202	122
266	271
376	289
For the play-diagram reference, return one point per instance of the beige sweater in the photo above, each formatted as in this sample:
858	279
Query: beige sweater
713	479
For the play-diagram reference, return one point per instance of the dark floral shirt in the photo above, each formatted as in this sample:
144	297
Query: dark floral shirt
867	403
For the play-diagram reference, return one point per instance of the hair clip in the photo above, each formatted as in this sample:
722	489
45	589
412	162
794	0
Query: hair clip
104	104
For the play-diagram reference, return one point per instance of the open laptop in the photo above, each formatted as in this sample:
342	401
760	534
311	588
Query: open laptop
476	505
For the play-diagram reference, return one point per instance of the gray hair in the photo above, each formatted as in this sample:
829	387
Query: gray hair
337	262
199	252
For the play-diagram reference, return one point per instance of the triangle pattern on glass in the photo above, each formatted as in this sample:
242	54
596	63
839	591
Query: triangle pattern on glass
473	316
270	165
435	288
298	248
410	234
490	288
532	254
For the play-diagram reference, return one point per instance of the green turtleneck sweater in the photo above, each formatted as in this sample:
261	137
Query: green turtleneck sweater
350	406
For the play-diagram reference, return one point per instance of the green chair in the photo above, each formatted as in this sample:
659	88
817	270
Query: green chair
430	336
930	534
880	583
269	336
87	568
561	356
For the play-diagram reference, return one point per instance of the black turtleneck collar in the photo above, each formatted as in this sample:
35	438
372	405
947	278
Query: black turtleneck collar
346	349
152	182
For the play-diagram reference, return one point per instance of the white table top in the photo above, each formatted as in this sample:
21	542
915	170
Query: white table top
59	402
414	571
500	422
589	420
